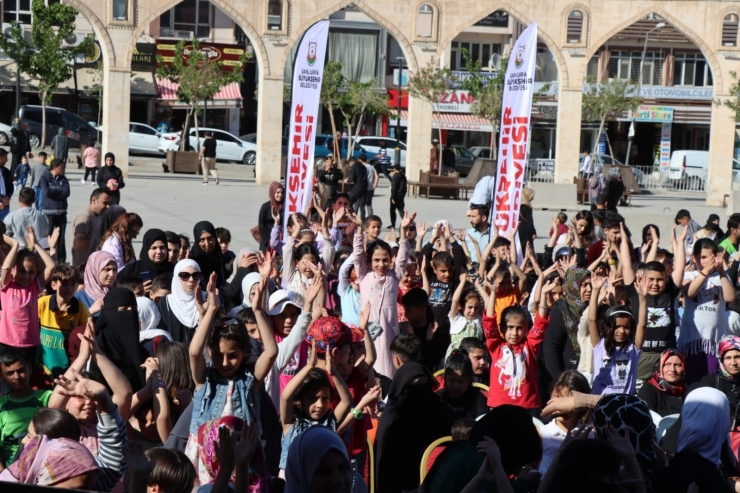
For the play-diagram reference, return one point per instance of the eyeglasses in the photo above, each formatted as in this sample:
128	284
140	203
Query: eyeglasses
186	276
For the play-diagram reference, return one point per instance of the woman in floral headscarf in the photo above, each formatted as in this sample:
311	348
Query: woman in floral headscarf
664	392
561	350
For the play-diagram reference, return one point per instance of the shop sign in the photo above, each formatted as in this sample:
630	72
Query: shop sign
468	127
144	57
665	146
454	102
665	92
500	18
227	55
645	113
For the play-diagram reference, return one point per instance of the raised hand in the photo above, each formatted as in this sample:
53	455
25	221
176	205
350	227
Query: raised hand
338	215
275	215
550	285
247	446
407	220
80	387
30	237
641	286
151	365
597	282
264	261
54	238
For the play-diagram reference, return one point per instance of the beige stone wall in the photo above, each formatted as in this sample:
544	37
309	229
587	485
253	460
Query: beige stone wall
701	21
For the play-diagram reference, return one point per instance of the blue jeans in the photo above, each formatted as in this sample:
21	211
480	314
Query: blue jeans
22	181
39	198
384	169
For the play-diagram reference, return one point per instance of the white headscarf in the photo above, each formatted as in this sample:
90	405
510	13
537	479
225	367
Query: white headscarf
705	423
249	280
148	313
180	301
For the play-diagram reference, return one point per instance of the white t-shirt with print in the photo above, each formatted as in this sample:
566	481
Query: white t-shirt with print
615	374
704	321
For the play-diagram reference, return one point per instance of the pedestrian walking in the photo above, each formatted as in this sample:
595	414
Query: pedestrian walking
208	157
60	146
330	178
91	157
55	187
37	172
448	160
110	177
384	160
358	177
398	193
372	183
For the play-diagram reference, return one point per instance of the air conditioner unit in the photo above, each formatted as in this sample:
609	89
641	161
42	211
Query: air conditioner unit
7	28
273	22
74	39
171	33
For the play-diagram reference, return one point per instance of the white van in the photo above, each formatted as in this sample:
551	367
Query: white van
689	164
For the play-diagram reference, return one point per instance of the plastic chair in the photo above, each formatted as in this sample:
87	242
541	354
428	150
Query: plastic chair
665	423
439	373
371	465
425	465
481	386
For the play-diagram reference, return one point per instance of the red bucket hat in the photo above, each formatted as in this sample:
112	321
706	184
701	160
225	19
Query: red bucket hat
328	332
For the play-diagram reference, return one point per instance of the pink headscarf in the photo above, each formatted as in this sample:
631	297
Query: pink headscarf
46	461
95	264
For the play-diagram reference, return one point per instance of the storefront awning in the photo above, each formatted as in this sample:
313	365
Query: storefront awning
8	76
450	121
230	96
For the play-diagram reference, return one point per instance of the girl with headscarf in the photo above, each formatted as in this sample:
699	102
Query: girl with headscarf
313	458
179	309
110	177
561	350
665	390
150	335
152	258
704	425
207	253
413	418
269	210
117	335
100	276
61	462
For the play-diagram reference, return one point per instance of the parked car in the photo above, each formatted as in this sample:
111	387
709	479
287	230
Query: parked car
606	159
372	145
229	148
481	152
322	148
252	139
142	138
464	160
78	130
688	165
4	134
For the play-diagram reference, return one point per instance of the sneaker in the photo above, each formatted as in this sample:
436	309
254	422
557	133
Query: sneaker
217	180
205	183
82	181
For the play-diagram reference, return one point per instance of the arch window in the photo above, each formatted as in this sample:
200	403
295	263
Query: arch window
425	21
574	30
730	30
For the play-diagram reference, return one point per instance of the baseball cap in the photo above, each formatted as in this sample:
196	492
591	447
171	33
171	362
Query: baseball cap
280	299
560	250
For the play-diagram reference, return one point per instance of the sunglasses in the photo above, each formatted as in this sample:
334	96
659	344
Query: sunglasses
186	276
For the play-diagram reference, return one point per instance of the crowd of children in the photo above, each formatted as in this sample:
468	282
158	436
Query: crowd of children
329	359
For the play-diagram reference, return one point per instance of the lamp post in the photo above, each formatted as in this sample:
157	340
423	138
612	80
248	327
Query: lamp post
631	133
400	61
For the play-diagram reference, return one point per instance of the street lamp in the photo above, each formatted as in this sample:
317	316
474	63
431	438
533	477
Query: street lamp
631	133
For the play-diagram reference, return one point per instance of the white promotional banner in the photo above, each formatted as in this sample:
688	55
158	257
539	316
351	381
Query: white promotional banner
514	131
308	70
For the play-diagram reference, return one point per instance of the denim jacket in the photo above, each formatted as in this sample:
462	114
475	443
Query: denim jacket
209	401
299	426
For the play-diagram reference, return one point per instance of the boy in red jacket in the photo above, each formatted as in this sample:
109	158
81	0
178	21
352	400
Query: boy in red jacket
514	350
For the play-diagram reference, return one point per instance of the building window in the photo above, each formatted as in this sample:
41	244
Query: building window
425	21
625	65
575	27
592	69
275	15
546	69
692	69
477	52
190	16
120	10
20	10
729	30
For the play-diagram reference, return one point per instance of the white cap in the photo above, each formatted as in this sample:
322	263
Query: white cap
282	297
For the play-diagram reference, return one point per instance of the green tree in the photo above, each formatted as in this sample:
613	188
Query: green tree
429	84
488	92
612	99
361	99
46	58
199	79
733	102
333	87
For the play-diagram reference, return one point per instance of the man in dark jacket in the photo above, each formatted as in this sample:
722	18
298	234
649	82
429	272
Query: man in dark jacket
448	160
55	188
358	177
398	193
60	145
330	177
6	185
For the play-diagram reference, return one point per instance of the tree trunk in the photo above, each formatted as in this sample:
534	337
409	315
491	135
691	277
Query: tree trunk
43	119
197	134
337	151
493	147
611	152
184	139
352	138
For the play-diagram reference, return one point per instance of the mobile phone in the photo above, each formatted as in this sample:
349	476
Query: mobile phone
146	275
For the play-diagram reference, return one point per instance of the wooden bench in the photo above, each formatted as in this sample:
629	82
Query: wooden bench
445	186
581	190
